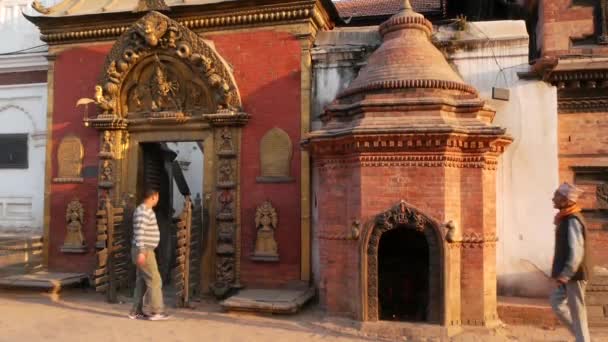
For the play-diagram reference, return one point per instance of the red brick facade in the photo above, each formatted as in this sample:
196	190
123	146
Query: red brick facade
270	92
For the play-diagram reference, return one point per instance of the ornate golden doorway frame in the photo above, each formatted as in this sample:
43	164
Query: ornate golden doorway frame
162	82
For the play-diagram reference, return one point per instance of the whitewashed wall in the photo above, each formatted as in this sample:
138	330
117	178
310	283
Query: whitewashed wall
190	158
23	110
528	171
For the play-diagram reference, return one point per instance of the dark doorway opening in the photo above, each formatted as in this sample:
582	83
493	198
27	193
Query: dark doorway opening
403	275
175	169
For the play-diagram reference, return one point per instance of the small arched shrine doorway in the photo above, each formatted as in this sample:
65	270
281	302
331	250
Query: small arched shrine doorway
404	265
403	275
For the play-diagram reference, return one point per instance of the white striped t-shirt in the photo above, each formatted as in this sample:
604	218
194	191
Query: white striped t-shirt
145	228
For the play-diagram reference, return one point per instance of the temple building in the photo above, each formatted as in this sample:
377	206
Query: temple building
389	159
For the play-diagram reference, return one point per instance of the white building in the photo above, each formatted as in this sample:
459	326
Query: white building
23	103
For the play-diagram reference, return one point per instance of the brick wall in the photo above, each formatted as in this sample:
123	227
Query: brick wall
583	142
76	72
560	22
270	92
465	196
563	25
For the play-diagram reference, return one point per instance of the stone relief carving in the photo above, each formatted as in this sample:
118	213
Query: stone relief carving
70	154
225	276
454	234
402	214
225	238
276	152
226	143
74	240
266	220
226	204
226	173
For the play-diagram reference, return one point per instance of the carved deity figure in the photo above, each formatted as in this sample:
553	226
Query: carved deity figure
152	29
225	170
107	104
106	172
107	144
226	144
226	200
266	220
225	238
74	239
162	90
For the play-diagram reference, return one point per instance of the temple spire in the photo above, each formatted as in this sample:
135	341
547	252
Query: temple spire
407	5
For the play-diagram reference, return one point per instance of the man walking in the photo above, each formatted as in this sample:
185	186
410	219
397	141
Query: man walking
570	262
148	286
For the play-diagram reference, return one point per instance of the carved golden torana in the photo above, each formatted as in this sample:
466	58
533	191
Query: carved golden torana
69	159
74	239
161	70
162	81
266	220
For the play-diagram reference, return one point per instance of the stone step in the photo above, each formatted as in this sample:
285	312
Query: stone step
21	268
527	311
20	254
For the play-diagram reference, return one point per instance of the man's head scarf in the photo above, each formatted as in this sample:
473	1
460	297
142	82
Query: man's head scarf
570	191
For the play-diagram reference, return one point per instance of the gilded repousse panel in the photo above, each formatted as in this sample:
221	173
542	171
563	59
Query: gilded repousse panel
70	154
276	153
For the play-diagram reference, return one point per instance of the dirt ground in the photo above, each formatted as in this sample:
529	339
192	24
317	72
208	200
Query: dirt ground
81	315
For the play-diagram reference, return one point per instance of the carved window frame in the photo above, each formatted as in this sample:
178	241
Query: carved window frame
14	151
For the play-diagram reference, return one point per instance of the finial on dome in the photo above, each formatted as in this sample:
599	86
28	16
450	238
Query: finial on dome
407	5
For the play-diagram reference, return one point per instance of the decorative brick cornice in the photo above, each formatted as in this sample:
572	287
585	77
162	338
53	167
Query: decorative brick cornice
475	240
580	79
582	105
234	18
410	160
405	84
432	144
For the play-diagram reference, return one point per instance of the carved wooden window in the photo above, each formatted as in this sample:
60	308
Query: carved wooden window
601	20
590	175
603	23
13	151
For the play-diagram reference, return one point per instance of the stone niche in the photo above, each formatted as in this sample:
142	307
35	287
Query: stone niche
70	154
276	153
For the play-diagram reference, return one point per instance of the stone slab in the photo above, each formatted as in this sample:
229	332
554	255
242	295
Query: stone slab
53	281
282	301
416	331
526	311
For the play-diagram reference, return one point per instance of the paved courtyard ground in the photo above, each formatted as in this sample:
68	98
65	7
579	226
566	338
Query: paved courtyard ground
81	315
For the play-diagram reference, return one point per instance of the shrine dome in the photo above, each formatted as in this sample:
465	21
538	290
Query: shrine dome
406	59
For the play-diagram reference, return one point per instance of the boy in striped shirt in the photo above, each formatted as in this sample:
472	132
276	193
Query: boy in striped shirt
146	235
